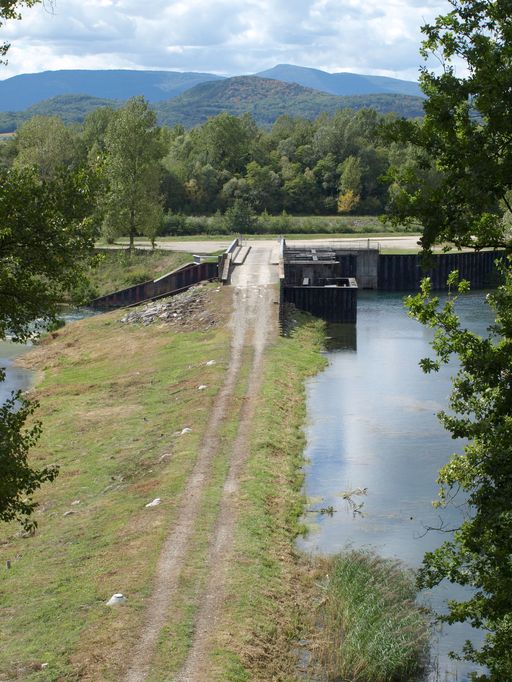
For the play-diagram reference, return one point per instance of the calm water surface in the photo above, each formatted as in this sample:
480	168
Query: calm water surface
372	424
17	378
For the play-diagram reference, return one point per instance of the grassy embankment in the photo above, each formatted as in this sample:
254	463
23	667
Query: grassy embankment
113	401
115	270
95	403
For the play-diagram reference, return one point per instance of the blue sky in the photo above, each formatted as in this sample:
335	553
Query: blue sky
222	36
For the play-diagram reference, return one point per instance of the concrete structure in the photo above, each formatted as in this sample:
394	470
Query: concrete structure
324	280
320	281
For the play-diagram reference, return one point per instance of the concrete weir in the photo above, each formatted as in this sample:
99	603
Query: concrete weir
324	280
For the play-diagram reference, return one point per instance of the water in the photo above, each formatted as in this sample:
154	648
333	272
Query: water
17	378
372	424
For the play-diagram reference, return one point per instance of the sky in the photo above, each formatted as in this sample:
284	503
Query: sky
227	37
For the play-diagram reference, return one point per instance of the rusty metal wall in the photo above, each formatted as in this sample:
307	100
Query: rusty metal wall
333	304
177	280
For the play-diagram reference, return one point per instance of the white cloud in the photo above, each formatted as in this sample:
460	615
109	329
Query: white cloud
222	36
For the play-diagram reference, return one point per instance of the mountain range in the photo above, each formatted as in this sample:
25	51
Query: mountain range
190	98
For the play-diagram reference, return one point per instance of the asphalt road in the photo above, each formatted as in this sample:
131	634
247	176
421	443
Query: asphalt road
409	243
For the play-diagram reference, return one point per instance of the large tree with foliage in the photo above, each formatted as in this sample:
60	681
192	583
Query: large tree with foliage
45	241
133	152
466	131
46	143
459	188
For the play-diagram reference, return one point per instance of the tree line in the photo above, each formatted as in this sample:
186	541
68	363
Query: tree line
150	178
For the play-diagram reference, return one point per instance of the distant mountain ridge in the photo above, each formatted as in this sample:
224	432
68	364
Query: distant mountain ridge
343	84
264	98
20	92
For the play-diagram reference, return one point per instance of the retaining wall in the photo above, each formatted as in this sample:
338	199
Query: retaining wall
177	280
404	272
333	304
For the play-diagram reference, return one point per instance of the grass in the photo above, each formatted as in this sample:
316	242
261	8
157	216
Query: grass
118	269
266	609
111	399
371	628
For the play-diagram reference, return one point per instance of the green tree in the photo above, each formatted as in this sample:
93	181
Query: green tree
351	184
466	130
48	144
264	187
133	204
479	553
46	240
239	218
459	189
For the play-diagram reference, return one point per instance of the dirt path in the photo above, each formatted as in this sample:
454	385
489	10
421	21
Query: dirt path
253	320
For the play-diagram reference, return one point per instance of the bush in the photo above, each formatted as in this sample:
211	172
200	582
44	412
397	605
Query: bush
240	218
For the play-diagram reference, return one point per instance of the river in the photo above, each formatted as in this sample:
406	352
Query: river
372	424
17	378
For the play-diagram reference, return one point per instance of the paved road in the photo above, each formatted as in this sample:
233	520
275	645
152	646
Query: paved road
203	247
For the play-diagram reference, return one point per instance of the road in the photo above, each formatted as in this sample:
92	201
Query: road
408	243
253	324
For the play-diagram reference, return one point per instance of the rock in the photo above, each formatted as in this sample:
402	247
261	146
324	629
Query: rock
116	599
75	502
186	430
154	503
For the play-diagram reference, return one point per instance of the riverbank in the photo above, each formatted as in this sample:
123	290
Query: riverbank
117	401
114	402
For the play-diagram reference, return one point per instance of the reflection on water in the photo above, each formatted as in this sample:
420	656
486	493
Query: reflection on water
372	425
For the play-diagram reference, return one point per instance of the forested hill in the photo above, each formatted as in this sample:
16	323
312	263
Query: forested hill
265	99
70	108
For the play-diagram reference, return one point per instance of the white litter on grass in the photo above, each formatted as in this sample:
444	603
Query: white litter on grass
116	599
186	430
202	387
75	502
154	503
210	363
68	513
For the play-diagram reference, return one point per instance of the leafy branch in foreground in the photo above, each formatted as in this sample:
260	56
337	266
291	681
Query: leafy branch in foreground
479	555
18	480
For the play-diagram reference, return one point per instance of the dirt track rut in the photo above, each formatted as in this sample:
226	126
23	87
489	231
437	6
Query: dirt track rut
254	321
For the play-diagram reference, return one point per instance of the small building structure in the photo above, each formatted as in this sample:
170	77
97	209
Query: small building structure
320	281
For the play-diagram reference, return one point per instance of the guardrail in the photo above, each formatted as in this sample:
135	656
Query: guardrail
225	260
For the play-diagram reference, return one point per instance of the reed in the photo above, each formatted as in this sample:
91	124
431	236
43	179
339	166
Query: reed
371	628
